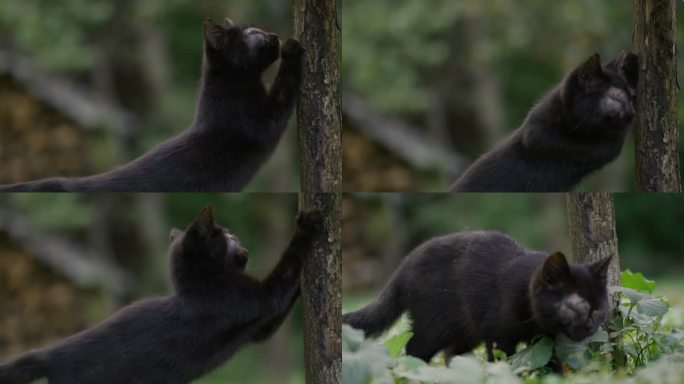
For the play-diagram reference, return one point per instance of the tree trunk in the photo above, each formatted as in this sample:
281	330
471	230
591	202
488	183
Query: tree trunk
319	121
318	110
657	134
321	294
591	218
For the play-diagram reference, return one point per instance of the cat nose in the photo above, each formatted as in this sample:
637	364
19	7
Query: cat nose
242	258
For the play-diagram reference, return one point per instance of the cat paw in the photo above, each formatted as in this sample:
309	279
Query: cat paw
630	69
291	49
310	220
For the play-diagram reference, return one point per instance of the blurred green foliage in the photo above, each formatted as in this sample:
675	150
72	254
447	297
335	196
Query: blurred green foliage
389	44
57	33
392	47
62	35
649	232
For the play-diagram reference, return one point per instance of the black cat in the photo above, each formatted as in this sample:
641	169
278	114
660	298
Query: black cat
576	129
482	286
236	128
216	309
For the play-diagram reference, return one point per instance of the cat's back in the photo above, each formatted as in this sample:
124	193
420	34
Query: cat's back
461	250
459	275
122	347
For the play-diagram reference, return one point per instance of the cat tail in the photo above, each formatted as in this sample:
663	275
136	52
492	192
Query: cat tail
24	369
379	315
55	184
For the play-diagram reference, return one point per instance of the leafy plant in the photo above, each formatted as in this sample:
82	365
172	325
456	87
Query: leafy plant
535	356
625	352
637	329
366	361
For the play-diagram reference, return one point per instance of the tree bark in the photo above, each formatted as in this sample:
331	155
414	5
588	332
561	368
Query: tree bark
320	146
657	134
318	110
321	294
591	218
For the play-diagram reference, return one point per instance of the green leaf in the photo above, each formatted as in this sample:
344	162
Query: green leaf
652	306
600	336
573	353
396	343
501	373
646	304
362	361
410	363
533	356
354	371
630	293
669	369
440	375
351	338
636	281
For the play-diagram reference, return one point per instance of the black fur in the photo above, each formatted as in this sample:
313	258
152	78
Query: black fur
236	128
576	129
482	286
216	309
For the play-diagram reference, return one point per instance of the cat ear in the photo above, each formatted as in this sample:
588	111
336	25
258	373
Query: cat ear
227	23
589	70
204	223
600	268
555	268
212	33
175	233
614	64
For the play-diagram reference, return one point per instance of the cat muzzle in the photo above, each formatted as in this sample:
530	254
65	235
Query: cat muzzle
616	104
255	36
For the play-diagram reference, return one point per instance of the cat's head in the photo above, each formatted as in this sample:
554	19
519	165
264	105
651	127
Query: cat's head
570	298
205	246
600	99
239	48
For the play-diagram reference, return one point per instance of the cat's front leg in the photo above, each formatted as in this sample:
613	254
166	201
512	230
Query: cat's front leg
281	287
268	327
284	279
283	93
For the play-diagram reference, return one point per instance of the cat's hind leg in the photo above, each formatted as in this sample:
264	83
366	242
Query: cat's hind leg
459	346
423	347
507	347
430	335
